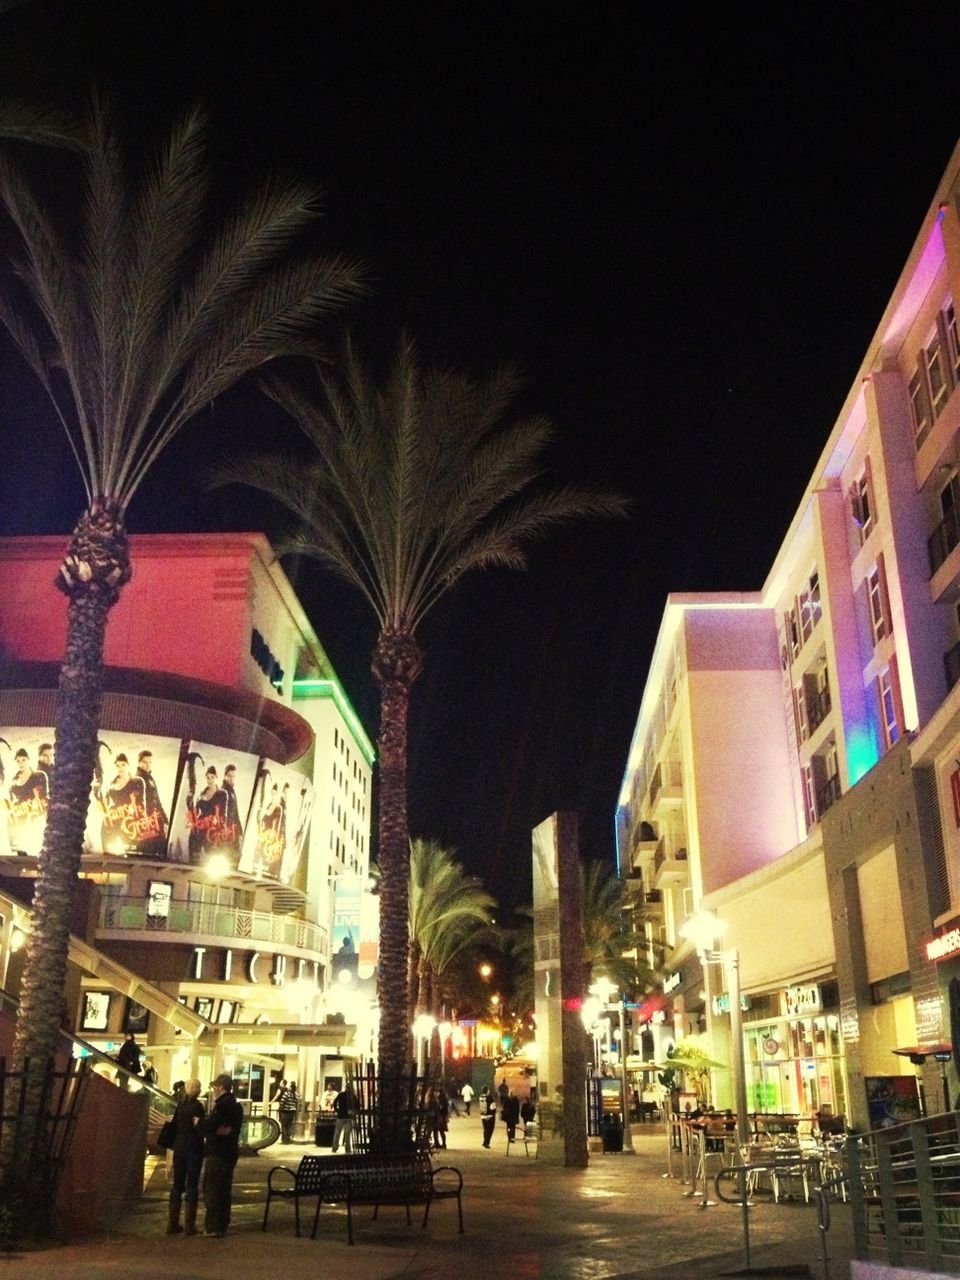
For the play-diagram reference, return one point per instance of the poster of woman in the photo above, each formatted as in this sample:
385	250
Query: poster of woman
26	781
133	785
213	799
279	817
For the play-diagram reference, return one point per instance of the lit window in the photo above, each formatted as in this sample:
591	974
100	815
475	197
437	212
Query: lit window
815	596
888	708
862	506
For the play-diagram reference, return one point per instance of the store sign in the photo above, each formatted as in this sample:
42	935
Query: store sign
798	1000
277	969
672	981
944	945
721	1003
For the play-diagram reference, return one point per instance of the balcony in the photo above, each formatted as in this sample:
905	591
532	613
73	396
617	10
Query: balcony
670	861
653	904
942	541
666	787
120	915
644	844
818	708
828	795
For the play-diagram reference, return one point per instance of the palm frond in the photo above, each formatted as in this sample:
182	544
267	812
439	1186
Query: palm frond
43	125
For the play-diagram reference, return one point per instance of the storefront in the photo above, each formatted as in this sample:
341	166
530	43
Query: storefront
794	1051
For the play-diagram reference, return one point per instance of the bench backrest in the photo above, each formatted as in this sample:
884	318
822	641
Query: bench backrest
382	1172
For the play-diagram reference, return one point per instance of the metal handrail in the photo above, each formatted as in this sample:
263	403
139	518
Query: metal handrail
130	913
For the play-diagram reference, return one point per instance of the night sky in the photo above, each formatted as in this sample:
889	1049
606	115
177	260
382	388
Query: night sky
683	225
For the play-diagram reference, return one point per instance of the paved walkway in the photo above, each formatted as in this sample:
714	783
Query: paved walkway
620	1219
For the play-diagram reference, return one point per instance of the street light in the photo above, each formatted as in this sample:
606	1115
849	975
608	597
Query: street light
604	990
703	929
423	1025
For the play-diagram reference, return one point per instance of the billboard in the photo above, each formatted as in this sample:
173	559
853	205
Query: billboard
26	779
133	784
212	804
279	817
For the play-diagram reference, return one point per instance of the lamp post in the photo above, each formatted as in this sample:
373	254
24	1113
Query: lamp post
604	990
423	1025
703	929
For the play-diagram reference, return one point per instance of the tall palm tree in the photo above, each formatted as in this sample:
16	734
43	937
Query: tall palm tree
448	911
411	486
133	318
613	944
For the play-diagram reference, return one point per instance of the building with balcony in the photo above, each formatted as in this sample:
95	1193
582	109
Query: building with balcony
816	725
228	837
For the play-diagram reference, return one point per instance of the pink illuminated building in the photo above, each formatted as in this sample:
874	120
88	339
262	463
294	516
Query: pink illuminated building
794	764
230	816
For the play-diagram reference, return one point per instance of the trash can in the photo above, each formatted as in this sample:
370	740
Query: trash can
611	1132
323	1132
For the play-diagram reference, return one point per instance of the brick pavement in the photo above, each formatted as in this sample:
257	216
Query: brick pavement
620	1219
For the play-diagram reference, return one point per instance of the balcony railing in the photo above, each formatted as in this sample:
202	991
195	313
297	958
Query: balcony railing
818	708
667	774
207	919
828	794
943	540
669	849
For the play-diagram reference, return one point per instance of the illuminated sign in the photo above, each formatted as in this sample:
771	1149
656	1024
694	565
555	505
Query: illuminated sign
262	655
672	981
944	945
797	1000
721	1003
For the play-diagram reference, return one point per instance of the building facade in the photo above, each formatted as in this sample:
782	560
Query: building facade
230	810
794	764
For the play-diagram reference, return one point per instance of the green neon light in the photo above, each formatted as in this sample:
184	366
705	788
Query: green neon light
333	689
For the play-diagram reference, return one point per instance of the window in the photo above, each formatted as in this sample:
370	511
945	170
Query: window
800	710
876	588
920	407
937	376
953	339
861	501
815	596
808	607
792	628
888	709
809	794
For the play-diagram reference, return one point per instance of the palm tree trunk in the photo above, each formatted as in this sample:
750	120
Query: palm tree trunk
413	981
95	568
396	664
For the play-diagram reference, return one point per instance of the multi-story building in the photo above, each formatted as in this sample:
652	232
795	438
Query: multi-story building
794	764
231	807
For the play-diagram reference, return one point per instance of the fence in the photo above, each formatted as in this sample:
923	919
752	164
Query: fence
905	1189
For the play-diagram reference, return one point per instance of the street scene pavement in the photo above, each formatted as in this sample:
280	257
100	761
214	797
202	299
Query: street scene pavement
524	1217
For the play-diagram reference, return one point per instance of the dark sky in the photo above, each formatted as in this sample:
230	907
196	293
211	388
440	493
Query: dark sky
682	221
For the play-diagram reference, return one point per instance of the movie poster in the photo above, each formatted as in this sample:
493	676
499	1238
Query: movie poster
133	785
26	778
213	800
279	817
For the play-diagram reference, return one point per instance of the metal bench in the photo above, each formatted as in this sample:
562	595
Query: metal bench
404	1179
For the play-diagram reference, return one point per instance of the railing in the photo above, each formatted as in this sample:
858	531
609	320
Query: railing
943	540
202	918
669	849
828	794
818	708
905	1190
667	774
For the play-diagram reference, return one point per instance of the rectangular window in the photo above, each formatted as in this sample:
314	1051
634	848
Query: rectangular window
815	596
862	503
920	407
805	612
937	377
809	795
793	630
888	709
878	617
953	339
800	710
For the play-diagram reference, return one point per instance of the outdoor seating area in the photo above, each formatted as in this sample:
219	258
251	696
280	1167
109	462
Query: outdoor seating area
403	1179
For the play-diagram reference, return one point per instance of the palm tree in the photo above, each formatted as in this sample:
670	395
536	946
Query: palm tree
448	912
613	944
411	486
133	321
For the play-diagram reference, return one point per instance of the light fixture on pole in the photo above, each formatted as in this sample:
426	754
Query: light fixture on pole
703	929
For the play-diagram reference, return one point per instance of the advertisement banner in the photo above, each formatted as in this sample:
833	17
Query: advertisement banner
279	816
213	801
26	777
133	785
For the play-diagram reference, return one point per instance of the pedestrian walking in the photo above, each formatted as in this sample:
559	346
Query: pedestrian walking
222	1129
288	1102
345	1109
488	1115
467	1094
510	1114
187	1160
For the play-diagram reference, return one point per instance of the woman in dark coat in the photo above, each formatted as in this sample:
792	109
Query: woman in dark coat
187	1160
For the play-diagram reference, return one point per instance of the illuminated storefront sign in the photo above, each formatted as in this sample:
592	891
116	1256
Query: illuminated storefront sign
721	1003
277	969
944	945
797	1000
672	981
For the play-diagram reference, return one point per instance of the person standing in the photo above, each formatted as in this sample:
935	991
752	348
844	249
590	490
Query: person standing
187	1159
510	1113
129	1055
466	1093
222	1130
288	1101
345	1109
488	1115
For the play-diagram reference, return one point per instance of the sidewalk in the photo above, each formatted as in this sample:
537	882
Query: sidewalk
619	1219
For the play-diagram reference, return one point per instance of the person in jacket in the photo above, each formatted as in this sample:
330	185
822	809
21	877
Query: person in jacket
129	1055
222	1132
287	1100
510	1114
345	1109
466	1093
488	1115
187	1160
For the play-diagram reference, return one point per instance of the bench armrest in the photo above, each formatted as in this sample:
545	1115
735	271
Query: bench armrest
283	1191
450	1189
